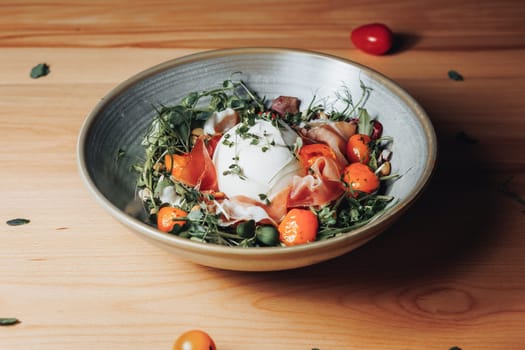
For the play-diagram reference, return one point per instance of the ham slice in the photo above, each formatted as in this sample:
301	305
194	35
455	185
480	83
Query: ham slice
285	104
334	134
320	187
200	171
242	208
220	122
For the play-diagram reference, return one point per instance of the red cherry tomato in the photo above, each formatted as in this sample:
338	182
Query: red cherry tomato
194	340
373	38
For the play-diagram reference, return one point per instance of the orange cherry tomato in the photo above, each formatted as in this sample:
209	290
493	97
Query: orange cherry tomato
357	149
174	163
299	226
194	340
360	178
309	153
167	218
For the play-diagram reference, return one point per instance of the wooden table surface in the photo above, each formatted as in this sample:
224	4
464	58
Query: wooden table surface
450	273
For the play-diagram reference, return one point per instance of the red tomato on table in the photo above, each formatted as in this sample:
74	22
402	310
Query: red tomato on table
373	38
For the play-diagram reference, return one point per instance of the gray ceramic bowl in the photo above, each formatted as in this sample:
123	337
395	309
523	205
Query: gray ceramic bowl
120	120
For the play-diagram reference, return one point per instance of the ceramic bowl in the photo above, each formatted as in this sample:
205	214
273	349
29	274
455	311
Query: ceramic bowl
116	126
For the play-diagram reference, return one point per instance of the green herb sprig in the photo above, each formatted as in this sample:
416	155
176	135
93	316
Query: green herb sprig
170	131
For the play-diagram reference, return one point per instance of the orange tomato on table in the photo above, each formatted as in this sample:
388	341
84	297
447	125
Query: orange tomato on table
194	340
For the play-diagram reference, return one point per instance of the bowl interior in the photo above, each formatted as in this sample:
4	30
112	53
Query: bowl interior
109	144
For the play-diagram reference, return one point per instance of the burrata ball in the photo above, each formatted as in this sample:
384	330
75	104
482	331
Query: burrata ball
256	161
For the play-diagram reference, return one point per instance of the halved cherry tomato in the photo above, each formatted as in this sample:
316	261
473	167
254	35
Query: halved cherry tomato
373	38
194	340
357	149
360	178
309	153
174	163
167	218
299	226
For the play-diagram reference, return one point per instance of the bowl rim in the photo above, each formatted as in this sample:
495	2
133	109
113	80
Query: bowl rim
218	250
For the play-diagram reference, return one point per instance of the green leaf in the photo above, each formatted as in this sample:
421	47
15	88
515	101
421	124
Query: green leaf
190	100
40	70
18	222
227	84
8	321
365	125
203	115
452	74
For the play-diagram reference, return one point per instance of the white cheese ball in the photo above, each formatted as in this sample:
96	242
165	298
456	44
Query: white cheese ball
257	161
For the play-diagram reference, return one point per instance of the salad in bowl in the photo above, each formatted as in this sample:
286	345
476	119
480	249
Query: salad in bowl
225	166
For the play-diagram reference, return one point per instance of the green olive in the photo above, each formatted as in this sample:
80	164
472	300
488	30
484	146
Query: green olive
267	235
246	229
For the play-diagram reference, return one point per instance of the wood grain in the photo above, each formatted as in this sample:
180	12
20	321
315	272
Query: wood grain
450	273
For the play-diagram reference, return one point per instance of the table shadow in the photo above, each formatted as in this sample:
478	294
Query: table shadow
451	225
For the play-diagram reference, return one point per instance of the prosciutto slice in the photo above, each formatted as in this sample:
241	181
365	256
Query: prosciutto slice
285	104
334	134
241	208
320	187
200	171
220	122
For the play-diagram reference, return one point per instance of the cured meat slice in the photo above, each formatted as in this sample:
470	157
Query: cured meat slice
199	171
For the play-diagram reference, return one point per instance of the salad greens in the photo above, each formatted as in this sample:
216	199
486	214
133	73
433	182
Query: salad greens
172	131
